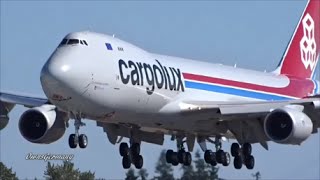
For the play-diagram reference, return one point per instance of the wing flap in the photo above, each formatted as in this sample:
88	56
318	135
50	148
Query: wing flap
233	108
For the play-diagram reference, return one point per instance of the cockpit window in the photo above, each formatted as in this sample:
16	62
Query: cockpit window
63	42
73	41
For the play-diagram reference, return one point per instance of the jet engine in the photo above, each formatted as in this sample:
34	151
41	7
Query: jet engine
5	108
43	125
288	126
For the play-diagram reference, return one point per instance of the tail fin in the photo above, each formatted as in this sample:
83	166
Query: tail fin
302	54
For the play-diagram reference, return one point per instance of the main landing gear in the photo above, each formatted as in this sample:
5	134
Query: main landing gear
75	139
131	155
180	157
219	156
242	155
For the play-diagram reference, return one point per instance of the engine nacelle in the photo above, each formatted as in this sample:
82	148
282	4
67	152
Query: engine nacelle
288	126
43	125
5	108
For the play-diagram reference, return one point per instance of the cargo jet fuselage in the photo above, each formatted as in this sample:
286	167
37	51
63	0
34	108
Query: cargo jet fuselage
143	96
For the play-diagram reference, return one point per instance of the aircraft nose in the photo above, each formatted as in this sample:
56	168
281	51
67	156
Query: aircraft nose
58	78
54	72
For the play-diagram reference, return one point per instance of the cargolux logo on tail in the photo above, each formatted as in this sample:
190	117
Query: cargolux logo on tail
308	44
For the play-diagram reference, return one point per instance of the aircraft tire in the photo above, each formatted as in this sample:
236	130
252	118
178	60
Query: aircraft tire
249	162
237	162
220	156
182	156
226	160
169	154
126	162
235	149
83	141
72	141
174	159
124	149
208	156
188	159
247	149
213	160
138	161
135	149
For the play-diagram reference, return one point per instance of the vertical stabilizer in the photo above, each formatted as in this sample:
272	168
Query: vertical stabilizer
302	54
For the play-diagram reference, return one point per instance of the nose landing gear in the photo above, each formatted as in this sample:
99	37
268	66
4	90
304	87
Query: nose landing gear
75	139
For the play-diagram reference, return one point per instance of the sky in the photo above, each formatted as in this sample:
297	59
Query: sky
252	34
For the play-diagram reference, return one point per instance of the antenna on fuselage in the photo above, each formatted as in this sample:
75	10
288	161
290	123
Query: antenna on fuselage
113	35
235	64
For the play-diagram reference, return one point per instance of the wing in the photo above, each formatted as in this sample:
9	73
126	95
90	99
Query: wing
229	108
239	120
25	100
9	100
244	120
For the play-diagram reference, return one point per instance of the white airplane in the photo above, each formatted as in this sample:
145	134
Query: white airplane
143	96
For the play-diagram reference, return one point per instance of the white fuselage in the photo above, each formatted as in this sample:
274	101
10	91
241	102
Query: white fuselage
129	83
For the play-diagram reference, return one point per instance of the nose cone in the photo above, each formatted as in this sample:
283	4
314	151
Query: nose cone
61	77
53	78
55	71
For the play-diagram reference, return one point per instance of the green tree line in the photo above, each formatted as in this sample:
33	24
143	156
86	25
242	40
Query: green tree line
163	171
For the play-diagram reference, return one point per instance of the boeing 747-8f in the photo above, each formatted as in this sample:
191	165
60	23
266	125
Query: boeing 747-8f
144	96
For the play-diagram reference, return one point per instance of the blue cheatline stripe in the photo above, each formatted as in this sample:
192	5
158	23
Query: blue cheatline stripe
233	91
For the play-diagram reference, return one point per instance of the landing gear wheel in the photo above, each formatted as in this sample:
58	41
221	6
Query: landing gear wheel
226	160
182	156
213	158
188	159
138	161
235	149
83	141
135	149
237	163
126	162
208	156
249	162
169	156
72	141
174	159
220	156
124	149
247	149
